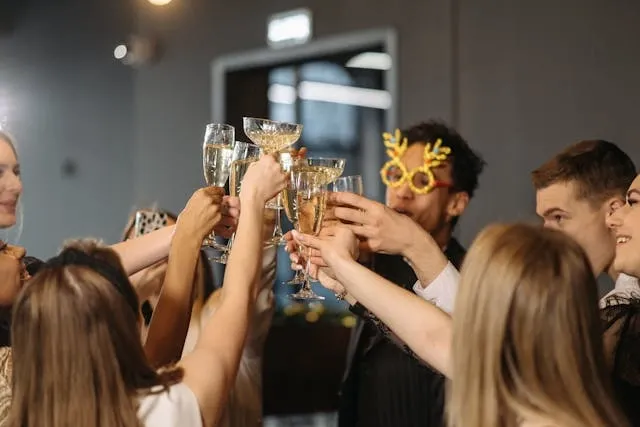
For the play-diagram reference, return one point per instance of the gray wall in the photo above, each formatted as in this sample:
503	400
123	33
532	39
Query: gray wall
64	96
520	79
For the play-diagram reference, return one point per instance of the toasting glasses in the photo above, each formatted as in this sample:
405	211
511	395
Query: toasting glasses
311	198
217	152
243	155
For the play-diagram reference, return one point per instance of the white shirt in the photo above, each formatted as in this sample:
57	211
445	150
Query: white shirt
443	289
175	407
625	287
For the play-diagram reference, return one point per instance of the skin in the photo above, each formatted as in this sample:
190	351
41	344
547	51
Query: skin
625	224
560	207
432	211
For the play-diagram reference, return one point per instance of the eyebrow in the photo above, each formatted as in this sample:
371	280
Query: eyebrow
553	211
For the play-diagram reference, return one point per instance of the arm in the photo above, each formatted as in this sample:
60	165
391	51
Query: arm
143	251
210	370
424	327
170	320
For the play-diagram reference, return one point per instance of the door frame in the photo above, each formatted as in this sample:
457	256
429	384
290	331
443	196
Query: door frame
264	57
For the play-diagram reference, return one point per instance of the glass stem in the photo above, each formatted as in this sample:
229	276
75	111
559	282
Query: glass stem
307	281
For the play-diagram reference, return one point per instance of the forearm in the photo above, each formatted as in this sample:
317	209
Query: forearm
141	252
170	320
424	327
239	286
425	257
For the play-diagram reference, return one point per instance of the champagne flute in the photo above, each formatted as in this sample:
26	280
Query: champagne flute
243	155
311	197
217	152
287	162
348	184
290	203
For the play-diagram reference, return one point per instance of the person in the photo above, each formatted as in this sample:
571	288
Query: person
431	175
524	347
78	357
621	313
135	255
577	190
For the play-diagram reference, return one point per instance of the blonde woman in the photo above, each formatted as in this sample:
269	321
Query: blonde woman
78	357
526	325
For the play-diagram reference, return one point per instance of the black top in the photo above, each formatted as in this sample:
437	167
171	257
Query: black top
621	318
385	386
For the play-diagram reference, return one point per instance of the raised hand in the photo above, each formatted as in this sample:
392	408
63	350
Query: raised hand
336	243
202	212
263	180
380	228
230	214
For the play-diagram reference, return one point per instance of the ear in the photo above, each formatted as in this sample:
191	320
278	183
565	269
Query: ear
458	202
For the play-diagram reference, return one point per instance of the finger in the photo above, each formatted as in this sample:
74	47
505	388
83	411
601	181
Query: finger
318	261
232	202
214	191
352	215
350	199
307	240
365	231
231	212
302	153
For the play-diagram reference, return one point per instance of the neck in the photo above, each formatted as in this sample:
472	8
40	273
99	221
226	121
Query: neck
442	236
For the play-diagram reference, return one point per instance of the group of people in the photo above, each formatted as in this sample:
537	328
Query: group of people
509	334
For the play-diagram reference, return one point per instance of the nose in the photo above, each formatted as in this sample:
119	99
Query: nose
616	218
404	191
13	183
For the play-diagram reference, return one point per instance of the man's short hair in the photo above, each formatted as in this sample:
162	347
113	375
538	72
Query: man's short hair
600	170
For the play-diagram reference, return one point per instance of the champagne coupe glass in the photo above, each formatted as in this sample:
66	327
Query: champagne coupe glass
217	151
273	137
348	184
243	155
311	195
329	167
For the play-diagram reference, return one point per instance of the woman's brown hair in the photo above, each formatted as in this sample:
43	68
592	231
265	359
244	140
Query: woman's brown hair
78	359
527	335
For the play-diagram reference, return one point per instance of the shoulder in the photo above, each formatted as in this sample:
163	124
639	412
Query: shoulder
177	405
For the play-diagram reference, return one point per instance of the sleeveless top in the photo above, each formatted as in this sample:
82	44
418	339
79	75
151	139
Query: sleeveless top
175	407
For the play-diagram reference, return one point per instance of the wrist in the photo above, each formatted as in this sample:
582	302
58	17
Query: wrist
187	238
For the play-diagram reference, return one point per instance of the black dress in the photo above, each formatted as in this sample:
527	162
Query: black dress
384	385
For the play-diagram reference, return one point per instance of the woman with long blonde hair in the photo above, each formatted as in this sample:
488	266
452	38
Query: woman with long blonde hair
524	348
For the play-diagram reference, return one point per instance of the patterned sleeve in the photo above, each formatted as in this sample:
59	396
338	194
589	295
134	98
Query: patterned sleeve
360	310
6	371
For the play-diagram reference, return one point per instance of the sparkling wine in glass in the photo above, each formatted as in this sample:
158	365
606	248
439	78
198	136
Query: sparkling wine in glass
273	137
311	198
290	203
243	155
330	168
217	152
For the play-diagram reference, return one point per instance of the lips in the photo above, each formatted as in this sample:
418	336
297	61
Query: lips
9	206
402	211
